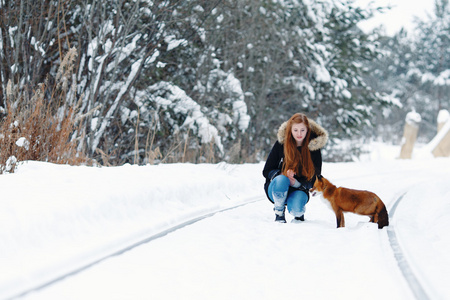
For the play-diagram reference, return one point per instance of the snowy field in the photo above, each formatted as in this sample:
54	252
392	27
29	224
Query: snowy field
58	219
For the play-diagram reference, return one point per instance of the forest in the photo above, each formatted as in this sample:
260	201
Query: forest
165	81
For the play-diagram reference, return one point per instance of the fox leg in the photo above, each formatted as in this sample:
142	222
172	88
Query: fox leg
340	218
374	218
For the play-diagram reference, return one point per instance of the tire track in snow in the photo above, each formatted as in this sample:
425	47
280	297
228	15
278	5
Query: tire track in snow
404	267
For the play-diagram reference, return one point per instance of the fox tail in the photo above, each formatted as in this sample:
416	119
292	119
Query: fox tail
383	218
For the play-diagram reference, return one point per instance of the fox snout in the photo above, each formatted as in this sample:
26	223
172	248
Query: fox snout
317	186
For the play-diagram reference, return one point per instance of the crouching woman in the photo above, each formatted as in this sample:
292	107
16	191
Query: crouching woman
292	165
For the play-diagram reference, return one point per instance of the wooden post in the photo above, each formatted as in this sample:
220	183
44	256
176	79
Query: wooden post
442	139
410	134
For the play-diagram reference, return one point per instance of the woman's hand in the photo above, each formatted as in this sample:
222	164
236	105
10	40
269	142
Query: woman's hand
290	174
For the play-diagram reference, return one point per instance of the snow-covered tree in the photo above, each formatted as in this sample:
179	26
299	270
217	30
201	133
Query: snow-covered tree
191	80
289	56
431	70
414	72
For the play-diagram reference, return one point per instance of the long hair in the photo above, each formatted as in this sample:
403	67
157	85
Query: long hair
299	161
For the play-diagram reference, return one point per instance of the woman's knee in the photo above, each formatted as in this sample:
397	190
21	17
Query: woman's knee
281	182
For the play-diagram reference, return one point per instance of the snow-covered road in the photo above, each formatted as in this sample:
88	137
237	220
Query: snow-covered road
242	254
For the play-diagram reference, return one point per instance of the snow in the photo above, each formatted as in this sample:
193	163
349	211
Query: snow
173	43
10	162
443	79
23	142
420	226
233	86
174	99
322	74
124	87
402	14
443	116
57	219
413	118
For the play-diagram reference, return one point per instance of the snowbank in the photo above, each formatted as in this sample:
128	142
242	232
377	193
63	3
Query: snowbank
56	218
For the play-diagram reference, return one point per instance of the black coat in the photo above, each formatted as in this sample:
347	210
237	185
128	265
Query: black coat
274	162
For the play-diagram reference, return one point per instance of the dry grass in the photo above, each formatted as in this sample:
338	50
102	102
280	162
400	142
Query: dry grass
40	126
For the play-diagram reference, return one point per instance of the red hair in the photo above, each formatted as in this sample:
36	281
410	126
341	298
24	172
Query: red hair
299	161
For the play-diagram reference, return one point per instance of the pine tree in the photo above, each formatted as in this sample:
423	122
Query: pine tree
431	70
413	72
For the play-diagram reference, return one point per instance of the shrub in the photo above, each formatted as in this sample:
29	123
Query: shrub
41	125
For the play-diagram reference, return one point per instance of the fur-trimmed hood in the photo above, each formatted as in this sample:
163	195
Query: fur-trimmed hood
318	137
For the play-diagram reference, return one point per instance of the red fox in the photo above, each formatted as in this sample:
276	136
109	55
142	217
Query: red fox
356	201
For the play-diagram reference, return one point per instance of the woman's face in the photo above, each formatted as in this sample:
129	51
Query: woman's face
299	132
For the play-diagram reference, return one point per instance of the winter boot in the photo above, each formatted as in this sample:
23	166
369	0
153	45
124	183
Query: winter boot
280	219
298	219
301	218
279	216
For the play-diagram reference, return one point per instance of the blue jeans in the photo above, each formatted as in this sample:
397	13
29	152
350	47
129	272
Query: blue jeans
280	195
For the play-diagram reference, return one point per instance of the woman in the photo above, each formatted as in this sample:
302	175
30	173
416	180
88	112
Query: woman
292	165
